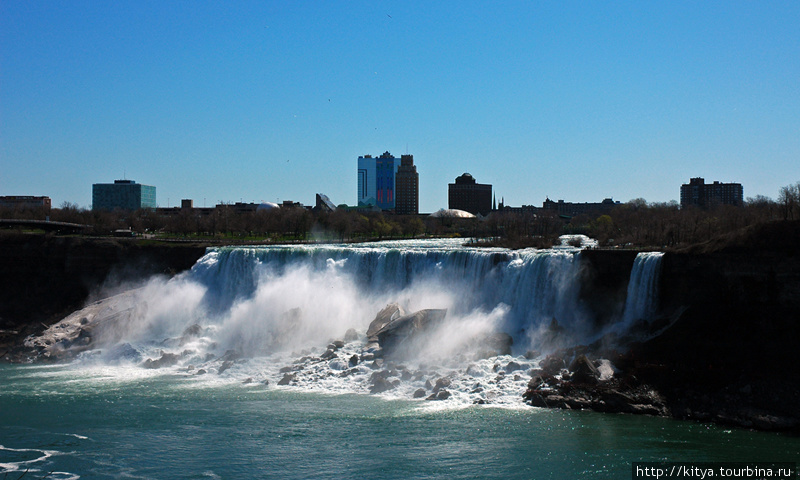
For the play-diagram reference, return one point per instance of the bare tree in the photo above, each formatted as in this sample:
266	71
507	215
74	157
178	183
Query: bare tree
789	200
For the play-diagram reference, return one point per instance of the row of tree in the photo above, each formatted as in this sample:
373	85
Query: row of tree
635	223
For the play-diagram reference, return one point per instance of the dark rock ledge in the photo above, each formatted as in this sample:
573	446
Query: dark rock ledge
568	379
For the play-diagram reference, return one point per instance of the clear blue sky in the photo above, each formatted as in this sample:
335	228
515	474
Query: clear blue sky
266	101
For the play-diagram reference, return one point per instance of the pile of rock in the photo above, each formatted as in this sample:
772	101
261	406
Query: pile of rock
570	380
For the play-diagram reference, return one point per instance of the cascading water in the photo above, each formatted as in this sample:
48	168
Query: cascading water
642	297
258	300
345	286
279	306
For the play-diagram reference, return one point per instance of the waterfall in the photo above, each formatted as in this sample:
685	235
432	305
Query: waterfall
257	300
642	297
533	286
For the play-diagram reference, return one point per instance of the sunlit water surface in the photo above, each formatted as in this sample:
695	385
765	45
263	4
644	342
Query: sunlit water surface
68	422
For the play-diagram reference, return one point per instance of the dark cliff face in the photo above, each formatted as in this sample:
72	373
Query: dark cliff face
734	303
741	321
733	345
604	282
742	303
45	277
736	298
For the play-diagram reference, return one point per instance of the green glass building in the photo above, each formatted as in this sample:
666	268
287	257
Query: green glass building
123	195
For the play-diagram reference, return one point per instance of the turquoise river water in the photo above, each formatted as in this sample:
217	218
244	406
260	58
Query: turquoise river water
67	423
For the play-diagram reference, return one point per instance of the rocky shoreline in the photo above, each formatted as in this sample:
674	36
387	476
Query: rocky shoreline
578	385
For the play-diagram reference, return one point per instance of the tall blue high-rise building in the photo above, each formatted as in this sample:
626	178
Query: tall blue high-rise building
376	180
366	181
123	195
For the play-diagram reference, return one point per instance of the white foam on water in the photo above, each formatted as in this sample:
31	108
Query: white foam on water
30	464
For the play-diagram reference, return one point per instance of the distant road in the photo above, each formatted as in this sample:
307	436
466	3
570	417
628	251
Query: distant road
45	225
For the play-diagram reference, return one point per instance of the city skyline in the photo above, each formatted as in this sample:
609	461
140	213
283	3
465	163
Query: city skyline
265	102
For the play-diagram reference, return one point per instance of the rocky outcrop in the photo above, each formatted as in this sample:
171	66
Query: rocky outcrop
398	335
582	386
165	360
44	278
604	282
287	379
722	349
97	324
383	318
728	355
394	333
570	379
583	371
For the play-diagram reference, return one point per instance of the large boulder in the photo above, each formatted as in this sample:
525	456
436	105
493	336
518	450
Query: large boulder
582	370
350	335
380	385
536	399
98	324
441	384
166	360
402	331
552	364
225	365
389	313
440	395
190	333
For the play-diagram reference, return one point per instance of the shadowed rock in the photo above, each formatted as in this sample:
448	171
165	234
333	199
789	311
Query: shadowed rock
287	379
380	385
400	331
190	333
166	360
350	335
441	384
225	365
552	364
440	395
582	370
389	313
